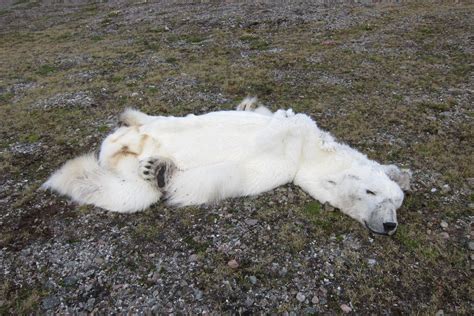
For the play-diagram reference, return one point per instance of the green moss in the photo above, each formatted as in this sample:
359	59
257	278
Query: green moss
407	238
254	41
440	107
6	97
313	208
45	70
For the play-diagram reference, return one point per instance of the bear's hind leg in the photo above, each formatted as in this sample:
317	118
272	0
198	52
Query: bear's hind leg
157	170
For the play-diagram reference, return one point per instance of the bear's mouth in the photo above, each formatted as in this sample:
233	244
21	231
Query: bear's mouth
374	231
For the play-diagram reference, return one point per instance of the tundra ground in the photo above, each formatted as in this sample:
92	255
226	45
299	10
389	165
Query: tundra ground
393	81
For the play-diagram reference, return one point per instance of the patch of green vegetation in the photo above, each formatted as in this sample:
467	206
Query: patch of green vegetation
199	247
440	107
152	89
426	30
103	128
147	231
193	38
66	36
254	41
326	220
171	60
33	138
6	97
97	38
114	13
106	21
45	70
189	38
292	238
313	208
90	8
407	238
150	44
24	300
117	79
26	196
20	2
156	30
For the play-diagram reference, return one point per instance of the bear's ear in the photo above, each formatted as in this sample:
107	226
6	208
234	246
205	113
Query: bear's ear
400	176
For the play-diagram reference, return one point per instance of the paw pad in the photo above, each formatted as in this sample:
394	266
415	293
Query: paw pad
157	170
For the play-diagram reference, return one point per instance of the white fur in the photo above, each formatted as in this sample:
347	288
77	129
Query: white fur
229	154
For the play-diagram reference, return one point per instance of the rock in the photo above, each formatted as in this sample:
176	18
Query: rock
310	311
471	205
471	245
315	300
193	258
328	43
445	189
248	302
233	264
251	222
472	257
98	260
253	279
198	294
371	262
50	302
283	271
444	235
345	308
470	182
439	313
443	224
70	281
300	297
328	207
90	304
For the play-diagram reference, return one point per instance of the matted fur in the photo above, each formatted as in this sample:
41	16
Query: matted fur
229	154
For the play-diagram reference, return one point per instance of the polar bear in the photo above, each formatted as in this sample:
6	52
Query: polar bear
200	159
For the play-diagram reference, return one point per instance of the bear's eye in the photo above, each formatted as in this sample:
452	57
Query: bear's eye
370	192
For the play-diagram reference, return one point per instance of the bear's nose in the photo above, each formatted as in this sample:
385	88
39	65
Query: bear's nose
389	227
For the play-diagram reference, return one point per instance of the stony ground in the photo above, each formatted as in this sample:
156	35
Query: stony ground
394	81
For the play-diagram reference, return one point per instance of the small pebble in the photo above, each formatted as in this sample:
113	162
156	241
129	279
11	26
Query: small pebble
444	235
315	300
345	308
233	264
253	279
443	224
328	207
371	262
439	313
248	302
471	245
198	294
193	258
50	302
98	260
251	222
445	188
300	297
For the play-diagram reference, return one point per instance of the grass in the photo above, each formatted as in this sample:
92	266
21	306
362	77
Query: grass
45	70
